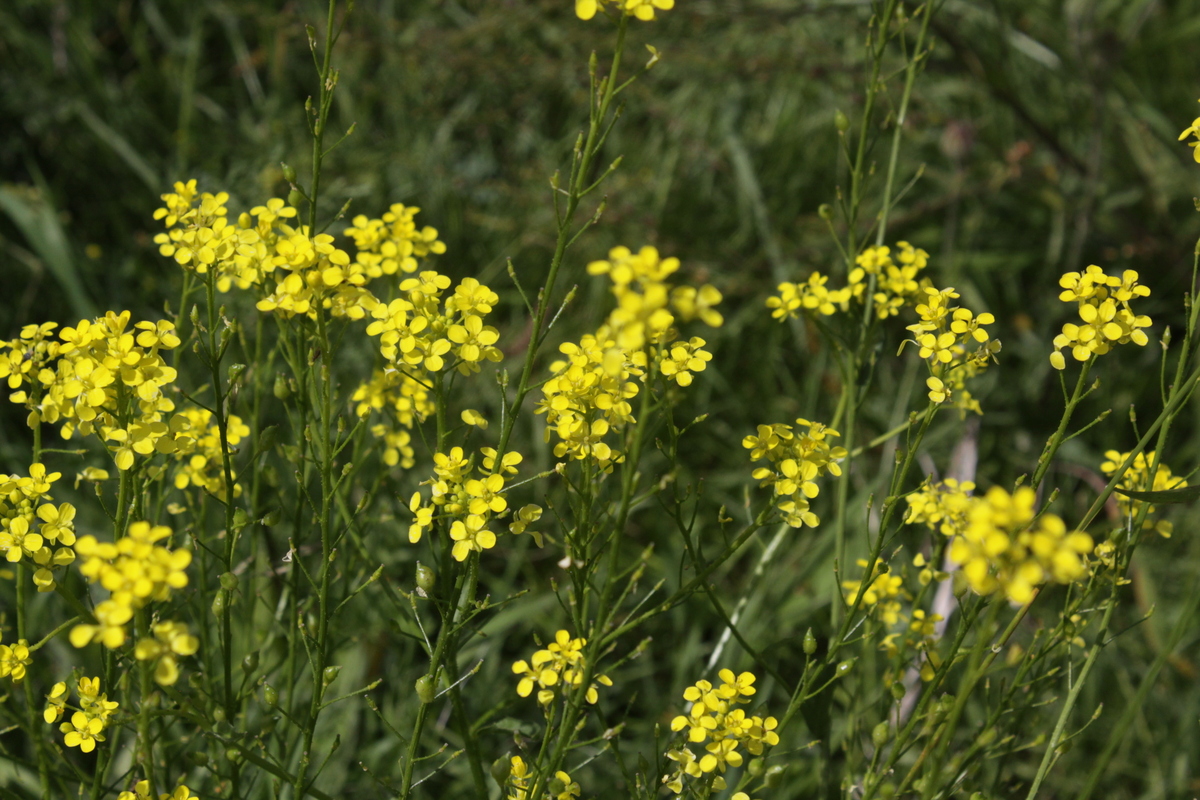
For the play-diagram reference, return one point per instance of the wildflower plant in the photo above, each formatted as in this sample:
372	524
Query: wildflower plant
339	485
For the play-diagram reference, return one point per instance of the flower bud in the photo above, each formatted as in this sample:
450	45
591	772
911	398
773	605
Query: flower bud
501	769
329	675
426	690
426	580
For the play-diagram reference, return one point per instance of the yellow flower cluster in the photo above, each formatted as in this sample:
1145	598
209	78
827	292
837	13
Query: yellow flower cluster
715	721
135	571
941	507
392	243
170	639
942	334
796	460
141	791
642	9
1191	130
896	285
560	788
405	400
1103	304
880	595
32	527
470	504
105	378
14	659
423	332
198	451
560	664
26	361
1137	478
315	273
643	314
1007	547
587	396
88	721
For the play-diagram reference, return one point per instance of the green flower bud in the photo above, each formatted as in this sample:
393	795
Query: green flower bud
329	675
810	642
426	580
501	769
426	689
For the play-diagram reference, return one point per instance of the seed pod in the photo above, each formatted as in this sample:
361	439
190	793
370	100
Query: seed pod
220	600
295	198
898	690
234	756
774	776
198	757
289	174
426	690
250	662
229	581
844	667
810	642
881	734
281	389
270	695
756	767
841	121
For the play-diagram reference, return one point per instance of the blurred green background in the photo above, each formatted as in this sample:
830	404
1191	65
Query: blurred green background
1046	131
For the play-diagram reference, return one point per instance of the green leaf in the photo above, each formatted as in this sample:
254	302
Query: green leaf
1184	495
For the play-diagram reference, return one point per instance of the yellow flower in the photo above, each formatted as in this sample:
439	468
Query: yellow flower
470	535
82	732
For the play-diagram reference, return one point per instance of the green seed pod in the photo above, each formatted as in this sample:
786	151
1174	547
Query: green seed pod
841	121
887	791
295	198
267	438
426	580
267	726
898	690
945	704
987	737
756	767
270	695
825	211
272	518
881	734
250	662
281	389
234	756
198	757
426	689
773	777
810	642
229	581
289	174
329	675
501	769
844	667
220	599
218	714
